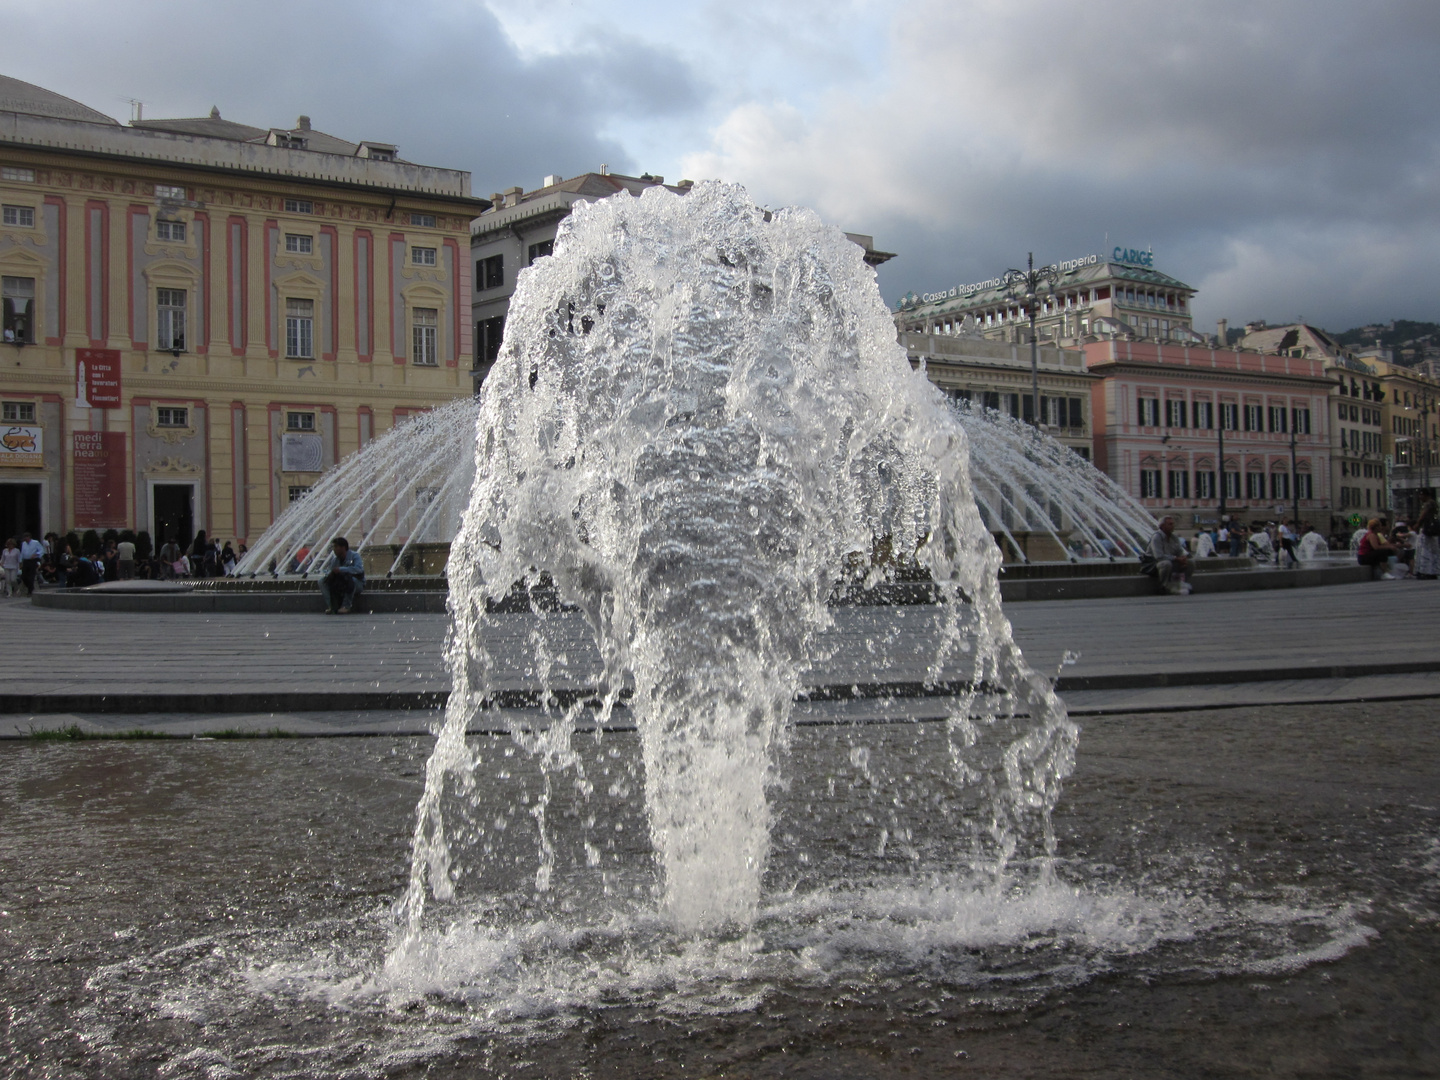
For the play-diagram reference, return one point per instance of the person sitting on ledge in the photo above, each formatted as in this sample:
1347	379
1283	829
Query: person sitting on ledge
1165	560
344	580
1375	551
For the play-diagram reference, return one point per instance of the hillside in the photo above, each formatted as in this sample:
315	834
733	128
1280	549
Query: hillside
1412	341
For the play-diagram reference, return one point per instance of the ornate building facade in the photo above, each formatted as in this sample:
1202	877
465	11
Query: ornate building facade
1092	296
200	316
1189	431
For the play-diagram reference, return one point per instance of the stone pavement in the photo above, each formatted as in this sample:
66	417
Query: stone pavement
1334	643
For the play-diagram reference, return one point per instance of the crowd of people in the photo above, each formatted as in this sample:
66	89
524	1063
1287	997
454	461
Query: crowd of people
75	562
1404	550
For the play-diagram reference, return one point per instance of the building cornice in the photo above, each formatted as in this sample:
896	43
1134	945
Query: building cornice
78	139
1154	370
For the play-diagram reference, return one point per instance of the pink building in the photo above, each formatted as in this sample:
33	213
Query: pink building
1161	412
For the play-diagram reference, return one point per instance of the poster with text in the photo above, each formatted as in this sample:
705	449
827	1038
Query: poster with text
100	479
97	378
22	446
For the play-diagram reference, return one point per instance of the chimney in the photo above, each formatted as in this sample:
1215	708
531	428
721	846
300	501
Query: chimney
214	112
497	200
604	170
552	180
1222	331
512	195
303	123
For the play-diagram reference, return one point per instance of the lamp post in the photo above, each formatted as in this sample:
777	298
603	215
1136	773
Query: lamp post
1025	286
1220	459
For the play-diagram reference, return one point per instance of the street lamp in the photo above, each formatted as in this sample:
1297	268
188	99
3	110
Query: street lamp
1025	286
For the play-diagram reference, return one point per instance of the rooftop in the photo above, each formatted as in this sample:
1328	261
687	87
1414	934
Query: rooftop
31	116
993	291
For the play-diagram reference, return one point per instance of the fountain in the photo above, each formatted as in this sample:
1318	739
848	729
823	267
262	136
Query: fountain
628	857
699	414
411	487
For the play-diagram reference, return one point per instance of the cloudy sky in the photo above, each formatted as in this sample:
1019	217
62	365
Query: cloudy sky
1279	156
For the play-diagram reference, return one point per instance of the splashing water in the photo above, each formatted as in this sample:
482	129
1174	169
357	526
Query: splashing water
412	485
403	488
700	411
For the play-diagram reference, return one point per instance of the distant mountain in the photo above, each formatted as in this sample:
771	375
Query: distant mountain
1412	341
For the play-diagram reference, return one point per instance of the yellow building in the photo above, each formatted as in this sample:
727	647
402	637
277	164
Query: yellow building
1410	431
200	317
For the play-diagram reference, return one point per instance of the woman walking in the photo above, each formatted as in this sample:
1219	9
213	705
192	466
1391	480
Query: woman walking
1427	538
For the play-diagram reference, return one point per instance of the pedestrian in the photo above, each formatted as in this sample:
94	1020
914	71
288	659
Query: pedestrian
1427	538
125	559
197	554
1287	543
227	560
10	567
31	551
169	556
345	579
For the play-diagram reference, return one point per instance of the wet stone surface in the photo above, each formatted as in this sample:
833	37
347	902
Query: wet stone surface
1244	893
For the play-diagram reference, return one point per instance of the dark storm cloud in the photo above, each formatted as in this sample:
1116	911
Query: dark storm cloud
1281	155
442	80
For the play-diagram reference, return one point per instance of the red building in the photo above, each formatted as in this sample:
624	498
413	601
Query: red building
1162	413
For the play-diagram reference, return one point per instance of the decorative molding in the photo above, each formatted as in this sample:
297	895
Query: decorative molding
36	236
172	466
296	261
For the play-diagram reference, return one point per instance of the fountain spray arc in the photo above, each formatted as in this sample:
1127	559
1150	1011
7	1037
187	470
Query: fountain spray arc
699	412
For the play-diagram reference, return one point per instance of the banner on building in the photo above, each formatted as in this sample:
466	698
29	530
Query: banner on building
97	378
22	446
301	453
100	479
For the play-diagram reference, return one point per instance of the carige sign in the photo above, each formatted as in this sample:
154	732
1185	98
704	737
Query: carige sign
1133	257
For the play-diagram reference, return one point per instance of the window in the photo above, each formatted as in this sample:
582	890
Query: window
298	492
21	216
490	273
299	329
1229	416
1203	414
299	421
170	319
990	399
171	416
299	243
18	412
1077	416
299	206
1204	485
1277	418
424	327
1280	485
15	173
169	191
1150	483
1303	489
1149	411
422	256
489	333
1178	483
1175	412
1255	486
424	221
19	306
1232	485
170	230
1300	421
540	250
1254	418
